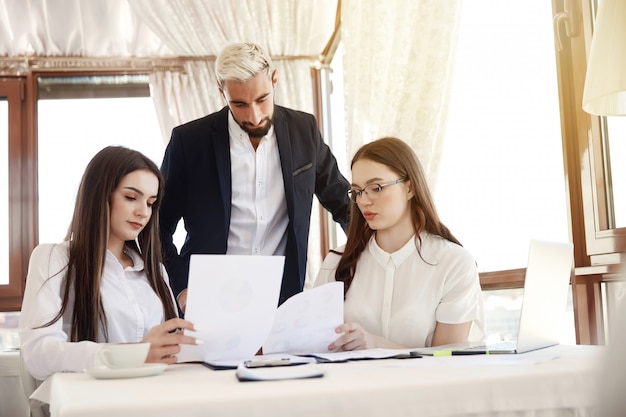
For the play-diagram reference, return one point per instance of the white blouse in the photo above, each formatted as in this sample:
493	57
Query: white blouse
131	305
401	296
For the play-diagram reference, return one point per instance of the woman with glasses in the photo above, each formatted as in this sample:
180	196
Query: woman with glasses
408	282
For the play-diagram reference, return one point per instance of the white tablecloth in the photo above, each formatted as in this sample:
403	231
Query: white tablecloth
557	381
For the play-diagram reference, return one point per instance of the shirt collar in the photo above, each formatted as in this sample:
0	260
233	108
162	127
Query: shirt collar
137	260
237	133
397	257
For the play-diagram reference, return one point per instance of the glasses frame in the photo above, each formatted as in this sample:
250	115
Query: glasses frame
354	193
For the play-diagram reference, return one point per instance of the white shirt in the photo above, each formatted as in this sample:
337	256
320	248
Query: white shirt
131	305
401	297
258	219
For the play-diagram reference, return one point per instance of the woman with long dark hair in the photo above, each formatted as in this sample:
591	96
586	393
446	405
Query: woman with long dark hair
105	283
408	282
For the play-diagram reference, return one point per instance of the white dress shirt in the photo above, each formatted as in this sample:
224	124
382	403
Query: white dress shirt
402	297
131	305
258	219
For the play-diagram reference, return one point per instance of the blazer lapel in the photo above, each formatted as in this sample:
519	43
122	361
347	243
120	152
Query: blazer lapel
221	142
284	151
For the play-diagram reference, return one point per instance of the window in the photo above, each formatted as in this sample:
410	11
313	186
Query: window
77	117
616	175
501	180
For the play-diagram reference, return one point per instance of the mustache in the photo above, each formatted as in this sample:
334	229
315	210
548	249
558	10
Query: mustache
251	126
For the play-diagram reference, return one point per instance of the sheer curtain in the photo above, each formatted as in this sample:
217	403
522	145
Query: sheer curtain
294	33
90	28
398	62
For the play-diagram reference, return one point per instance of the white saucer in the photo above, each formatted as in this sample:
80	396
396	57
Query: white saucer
102	372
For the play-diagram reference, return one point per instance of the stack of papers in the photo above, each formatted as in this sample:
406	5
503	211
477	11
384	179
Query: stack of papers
232	302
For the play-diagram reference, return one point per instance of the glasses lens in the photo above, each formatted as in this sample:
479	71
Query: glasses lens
373	191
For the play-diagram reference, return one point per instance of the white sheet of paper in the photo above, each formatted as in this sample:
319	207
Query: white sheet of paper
232	302
306	322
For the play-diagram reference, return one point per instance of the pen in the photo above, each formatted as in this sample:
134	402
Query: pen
409	355
450	352
469	352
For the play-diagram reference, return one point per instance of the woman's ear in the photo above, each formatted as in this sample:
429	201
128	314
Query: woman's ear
409	190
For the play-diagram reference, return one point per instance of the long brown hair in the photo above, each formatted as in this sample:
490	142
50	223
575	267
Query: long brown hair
400	158
88	235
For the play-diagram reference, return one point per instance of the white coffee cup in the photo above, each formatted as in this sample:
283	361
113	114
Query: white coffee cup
124	355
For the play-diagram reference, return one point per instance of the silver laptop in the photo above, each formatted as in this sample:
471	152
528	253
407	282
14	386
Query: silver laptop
546	285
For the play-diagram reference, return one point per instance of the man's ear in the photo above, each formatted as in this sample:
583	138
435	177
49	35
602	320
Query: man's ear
221	90
275	78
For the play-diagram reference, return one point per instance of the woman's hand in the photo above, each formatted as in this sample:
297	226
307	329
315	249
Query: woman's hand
165	340
354	337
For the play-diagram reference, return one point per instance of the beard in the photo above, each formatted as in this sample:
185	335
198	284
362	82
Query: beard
257	132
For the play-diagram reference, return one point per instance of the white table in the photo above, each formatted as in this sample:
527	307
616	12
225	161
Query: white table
560	381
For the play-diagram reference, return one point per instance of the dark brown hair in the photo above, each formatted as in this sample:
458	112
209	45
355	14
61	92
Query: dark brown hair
88	235
401	159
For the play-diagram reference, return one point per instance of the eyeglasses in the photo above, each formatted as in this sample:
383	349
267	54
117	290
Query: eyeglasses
372	190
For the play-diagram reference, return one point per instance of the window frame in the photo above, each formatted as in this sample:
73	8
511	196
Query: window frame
599	252
20	190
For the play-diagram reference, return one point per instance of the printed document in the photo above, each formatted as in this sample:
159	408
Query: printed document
232	301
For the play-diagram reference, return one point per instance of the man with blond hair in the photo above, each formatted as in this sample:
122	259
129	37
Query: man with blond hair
243	178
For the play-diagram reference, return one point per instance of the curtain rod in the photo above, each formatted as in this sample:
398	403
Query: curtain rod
22	64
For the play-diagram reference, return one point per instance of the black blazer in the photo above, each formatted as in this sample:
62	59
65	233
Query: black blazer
197	172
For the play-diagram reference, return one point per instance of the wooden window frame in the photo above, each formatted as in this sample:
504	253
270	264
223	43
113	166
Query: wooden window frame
599	251
21	195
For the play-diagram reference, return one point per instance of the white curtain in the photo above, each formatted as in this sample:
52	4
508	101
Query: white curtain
181	96
398	64
204	27
88	28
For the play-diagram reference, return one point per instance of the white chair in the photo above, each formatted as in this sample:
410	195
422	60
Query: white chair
30	384
12	401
